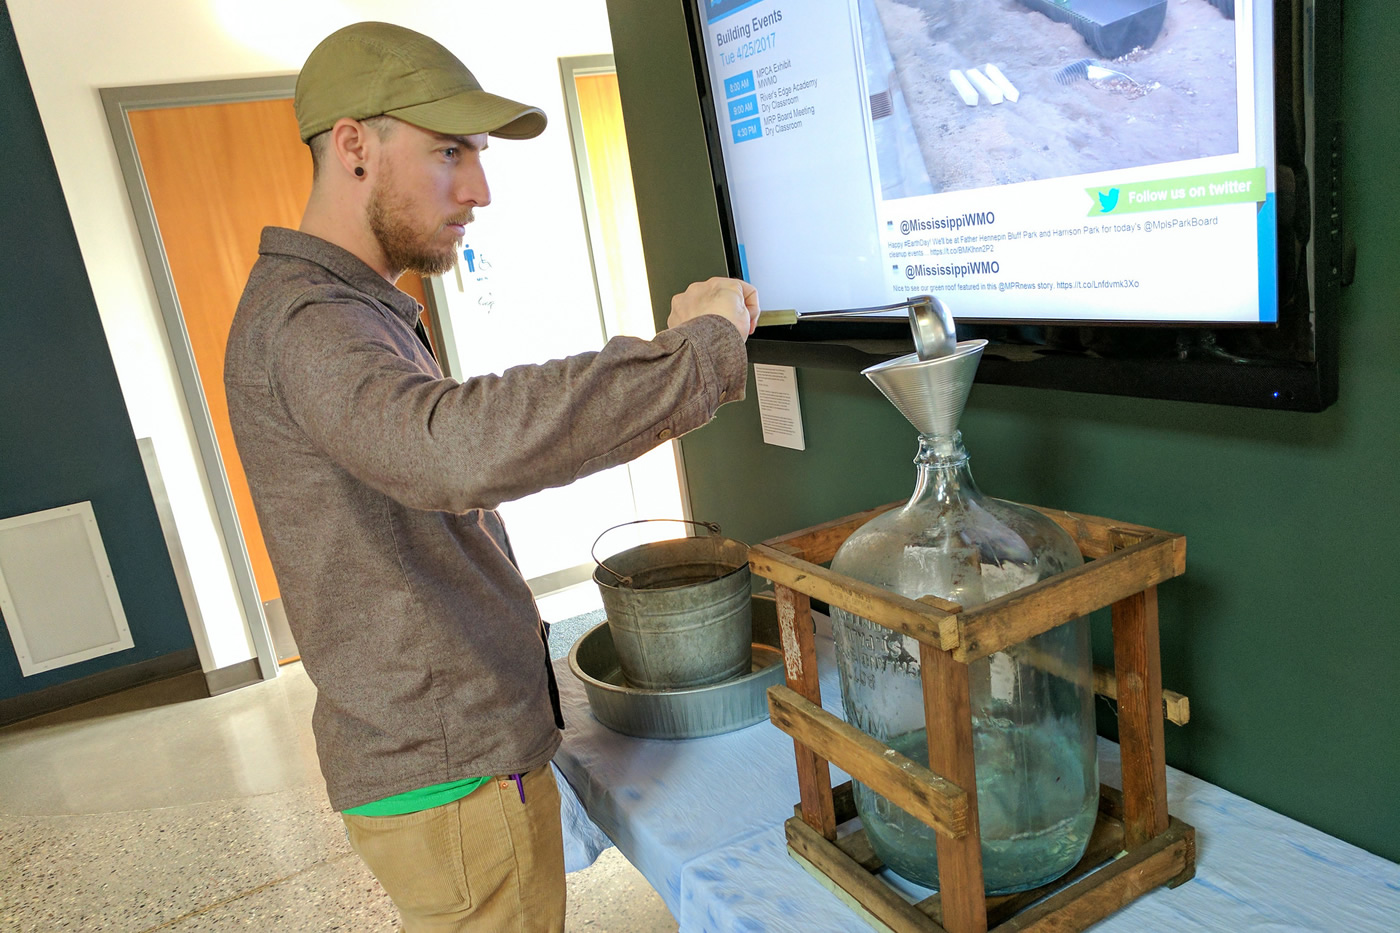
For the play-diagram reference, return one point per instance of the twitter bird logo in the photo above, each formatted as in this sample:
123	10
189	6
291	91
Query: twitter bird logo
1108	200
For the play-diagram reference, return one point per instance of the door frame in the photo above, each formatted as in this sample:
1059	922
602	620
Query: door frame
570	67
116	102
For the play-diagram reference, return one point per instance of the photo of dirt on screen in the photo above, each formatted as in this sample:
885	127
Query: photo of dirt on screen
1094	85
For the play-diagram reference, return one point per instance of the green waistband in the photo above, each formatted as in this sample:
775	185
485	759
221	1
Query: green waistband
424	798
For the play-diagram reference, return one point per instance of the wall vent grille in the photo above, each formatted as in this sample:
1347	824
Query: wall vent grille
57	592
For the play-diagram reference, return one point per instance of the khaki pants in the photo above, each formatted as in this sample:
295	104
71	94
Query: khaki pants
484	863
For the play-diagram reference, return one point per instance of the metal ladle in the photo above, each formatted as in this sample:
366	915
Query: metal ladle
930	321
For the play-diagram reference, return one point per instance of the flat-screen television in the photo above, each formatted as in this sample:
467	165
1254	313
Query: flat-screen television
1133	197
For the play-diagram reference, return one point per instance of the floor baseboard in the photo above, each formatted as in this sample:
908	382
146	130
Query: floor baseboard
105	683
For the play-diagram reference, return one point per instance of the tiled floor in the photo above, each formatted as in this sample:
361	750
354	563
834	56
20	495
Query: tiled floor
155	809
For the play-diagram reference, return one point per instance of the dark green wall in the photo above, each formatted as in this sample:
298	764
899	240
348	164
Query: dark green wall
1285	631
65	435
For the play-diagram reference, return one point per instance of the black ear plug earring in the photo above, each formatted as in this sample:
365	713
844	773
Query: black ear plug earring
359	171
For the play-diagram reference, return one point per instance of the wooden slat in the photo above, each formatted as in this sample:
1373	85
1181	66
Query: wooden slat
794	611
1111	802
820	543
843	796
948	713
841	894
1188	871
800	664
1175	706
1163	860
923	621
907	784
942	605
855	844
1095	536
1137	663
857	847
877	898
986	629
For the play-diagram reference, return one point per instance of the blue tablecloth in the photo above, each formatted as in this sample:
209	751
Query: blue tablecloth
702	820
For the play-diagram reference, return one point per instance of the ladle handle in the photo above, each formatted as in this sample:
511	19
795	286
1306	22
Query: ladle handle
712	527
932	326
897	306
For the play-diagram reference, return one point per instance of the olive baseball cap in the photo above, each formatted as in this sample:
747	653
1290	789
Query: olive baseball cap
372	69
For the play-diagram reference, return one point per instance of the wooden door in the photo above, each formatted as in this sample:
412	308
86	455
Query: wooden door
217	174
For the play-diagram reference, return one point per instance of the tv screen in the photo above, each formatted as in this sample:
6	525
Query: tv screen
1116	188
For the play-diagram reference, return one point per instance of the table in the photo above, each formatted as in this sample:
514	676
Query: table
702	820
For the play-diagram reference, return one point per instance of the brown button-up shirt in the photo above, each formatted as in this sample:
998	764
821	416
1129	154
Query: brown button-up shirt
374	479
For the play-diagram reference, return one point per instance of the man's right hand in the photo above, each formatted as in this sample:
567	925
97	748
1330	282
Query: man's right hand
732	299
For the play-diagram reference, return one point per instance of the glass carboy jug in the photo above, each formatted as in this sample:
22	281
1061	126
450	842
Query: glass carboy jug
1032	704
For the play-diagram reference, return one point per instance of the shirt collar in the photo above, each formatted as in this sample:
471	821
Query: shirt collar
341	263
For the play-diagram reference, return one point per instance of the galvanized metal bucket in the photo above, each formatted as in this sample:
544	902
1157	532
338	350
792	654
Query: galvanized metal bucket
679	611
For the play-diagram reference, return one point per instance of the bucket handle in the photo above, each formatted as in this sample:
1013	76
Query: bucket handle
713	528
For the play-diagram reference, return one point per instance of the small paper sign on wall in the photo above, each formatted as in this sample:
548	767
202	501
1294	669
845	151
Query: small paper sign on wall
778	408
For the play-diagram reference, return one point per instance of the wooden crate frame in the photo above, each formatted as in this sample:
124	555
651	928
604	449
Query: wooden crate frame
1136	845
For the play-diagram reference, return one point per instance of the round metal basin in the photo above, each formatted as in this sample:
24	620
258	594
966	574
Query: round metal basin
680	713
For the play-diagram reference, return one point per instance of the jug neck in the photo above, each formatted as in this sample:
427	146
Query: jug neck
943	470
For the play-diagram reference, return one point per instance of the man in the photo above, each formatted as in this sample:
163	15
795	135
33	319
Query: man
374	479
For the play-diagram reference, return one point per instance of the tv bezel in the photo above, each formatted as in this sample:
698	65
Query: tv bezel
1288	365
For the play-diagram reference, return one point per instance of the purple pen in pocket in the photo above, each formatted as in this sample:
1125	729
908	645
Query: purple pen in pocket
520	786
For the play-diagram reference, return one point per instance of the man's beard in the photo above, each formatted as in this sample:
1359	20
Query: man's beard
404	249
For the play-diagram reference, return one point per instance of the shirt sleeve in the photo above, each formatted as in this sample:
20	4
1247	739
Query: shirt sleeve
347	377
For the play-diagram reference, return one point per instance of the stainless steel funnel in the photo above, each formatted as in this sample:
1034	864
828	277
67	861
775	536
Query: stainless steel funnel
930	393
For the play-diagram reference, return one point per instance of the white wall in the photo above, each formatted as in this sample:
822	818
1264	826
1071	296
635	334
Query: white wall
71	48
